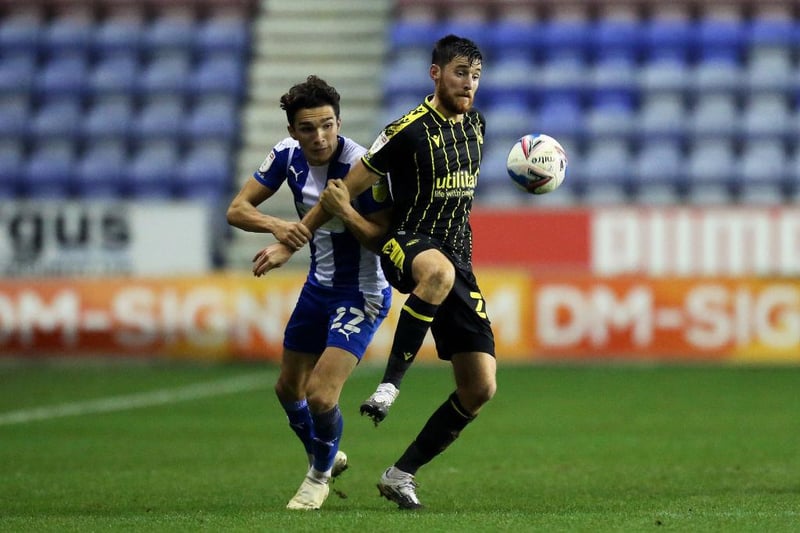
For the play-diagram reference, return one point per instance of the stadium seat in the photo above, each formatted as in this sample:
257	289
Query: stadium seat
560	117
616	37
49	171
662	116
169	33
115	74
762	162
219	74
222	34
565	37
57	119
658	166
664	74
610	116
204	174
563	76
17	72
100	173
109	117
161	117
769	70
714	116
12	160
166	73
509	36
509	118
606	164
212	118
402	76
513	78
710	163
719	37
123	35
719	73
769	31
70	33
152	170
765	116
21	31
14	115
667	38
63	75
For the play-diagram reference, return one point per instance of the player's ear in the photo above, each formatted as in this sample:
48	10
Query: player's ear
435	72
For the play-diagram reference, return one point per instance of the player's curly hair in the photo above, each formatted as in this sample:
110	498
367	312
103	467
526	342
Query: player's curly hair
451	46
314	92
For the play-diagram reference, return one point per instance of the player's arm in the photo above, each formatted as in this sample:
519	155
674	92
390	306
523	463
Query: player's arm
243	214
368	229
358	180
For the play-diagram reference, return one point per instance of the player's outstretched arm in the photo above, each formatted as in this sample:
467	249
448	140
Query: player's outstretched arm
243	214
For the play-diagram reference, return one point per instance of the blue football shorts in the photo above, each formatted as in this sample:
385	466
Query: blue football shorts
343	318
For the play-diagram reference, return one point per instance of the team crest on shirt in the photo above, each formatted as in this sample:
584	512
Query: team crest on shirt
267	162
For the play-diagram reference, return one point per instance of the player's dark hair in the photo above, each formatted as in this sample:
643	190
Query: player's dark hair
314	92
451	46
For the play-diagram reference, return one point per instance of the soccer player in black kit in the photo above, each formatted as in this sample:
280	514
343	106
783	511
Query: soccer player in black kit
432	156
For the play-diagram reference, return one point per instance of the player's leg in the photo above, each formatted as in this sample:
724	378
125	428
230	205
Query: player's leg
290	389
433	275
353	323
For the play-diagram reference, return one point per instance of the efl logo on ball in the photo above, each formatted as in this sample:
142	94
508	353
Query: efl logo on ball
537	163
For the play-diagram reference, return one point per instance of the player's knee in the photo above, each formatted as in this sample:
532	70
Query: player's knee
287	391
319	402
477	395
435	280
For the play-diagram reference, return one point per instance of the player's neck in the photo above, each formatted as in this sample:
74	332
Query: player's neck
436	104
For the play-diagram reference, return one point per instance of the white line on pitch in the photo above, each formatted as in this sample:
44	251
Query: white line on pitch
136	401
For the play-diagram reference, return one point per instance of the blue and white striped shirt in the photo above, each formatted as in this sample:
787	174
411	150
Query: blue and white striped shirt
337	258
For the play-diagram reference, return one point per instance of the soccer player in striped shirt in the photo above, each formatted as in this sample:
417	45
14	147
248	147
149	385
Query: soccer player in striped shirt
345	297
432	155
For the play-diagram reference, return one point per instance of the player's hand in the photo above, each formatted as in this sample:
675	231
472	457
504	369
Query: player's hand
293	234
335	198
273	256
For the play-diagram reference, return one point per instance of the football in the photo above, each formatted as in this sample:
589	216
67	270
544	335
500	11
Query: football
537	163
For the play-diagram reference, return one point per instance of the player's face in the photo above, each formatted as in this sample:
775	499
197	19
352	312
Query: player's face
316	130
456	84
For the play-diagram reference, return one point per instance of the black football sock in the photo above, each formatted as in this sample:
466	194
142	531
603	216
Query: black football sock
442	428
412	326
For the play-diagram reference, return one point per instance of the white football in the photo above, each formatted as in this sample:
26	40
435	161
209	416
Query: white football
537	163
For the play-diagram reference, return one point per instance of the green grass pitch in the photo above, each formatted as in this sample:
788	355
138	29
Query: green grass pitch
560	448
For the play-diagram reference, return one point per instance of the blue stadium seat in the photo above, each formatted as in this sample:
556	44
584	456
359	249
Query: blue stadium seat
762	162
402	76
204	173
14	115
170	32
63	75
513	77
219	74
611	116
560	117
114	36
17	72
60	118
715	37
115	74
100	172
607	164
512	36
21	32
213	118
563	75
658	166
152	170
664	74
12	160
771	31
710	164
766	116
159	118
66	34
613	78
769	69
662	116
714	116
406	34
223	34
719	73
49	171
166	73
565	37
510	118
616	38
109	117
667	37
